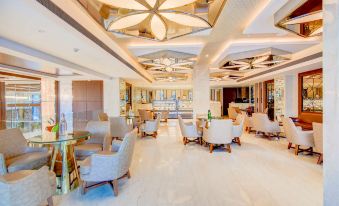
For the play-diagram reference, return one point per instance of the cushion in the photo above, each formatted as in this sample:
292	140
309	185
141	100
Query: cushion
85	166
85	150
28	161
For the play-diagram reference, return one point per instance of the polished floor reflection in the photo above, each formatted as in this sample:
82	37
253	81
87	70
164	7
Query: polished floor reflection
165	172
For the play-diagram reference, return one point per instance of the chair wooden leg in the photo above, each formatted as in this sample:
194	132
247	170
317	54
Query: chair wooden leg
128	175
320	159
200	140
83	188
289	145
115	187
211	148
238	141
50	201
296	151
228	148
185	140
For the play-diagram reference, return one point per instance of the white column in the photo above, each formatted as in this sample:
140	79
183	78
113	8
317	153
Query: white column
291	96
47	102
331	102
201	90
66	102
112	97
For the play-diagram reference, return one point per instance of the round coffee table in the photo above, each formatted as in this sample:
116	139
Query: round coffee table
63	144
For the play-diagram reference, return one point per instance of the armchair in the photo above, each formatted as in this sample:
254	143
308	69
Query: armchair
262	124
102	116
189	132
107	166
232	113
318	140
119	127
238	127
15	155
27	187
219	133
150	127
100	139
298	137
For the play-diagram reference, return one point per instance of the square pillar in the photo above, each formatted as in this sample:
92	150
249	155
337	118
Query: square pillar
201	90
112	97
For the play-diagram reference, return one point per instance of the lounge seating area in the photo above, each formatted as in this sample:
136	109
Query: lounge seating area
169	102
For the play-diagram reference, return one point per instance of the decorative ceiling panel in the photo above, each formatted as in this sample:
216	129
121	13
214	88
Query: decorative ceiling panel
255	59
154	19
302	17
168	65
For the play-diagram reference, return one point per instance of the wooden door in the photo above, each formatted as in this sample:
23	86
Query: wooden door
229	95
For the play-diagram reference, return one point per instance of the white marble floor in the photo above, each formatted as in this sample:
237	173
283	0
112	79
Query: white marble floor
165	172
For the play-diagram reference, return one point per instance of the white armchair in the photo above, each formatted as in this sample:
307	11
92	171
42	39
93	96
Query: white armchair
189	132
107	166
27	187
220	132
100	139
15	155
150	127
298	137
238	128
262	124
318	140
119	127
232	113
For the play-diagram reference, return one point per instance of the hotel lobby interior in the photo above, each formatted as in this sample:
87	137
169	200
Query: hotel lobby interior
169	102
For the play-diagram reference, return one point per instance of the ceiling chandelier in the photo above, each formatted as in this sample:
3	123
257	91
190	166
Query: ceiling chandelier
255	59
168	65
302	17
155	19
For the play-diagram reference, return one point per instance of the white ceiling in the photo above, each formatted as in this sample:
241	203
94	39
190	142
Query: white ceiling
243	25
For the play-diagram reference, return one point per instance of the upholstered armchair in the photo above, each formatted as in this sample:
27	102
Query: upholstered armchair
27	187
164	115
238	127
107	166
232	113
298	137
189	132
15	155
248	122
100	139
220	132
150	127
262	124
318	140
119	127
102	116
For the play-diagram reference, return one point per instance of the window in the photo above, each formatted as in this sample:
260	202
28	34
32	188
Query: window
23	106
312	92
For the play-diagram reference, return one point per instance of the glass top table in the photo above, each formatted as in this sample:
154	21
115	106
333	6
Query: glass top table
64	146
53	138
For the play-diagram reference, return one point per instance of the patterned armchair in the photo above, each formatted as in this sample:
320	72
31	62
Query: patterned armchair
27	187
100	139
108	167
15	155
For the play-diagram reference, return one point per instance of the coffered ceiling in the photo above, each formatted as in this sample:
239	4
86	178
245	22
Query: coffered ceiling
241	26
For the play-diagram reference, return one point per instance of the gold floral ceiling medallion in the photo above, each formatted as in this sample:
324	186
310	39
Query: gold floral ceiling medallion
155	19
167	65
302	17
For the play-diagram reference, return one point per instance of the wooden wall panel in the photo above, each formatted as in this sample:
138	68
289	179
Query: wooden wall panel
87	102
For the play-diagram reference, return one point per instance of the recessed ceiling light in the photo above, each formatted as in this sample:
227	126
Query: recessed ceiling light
206	55
76	49
41	31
